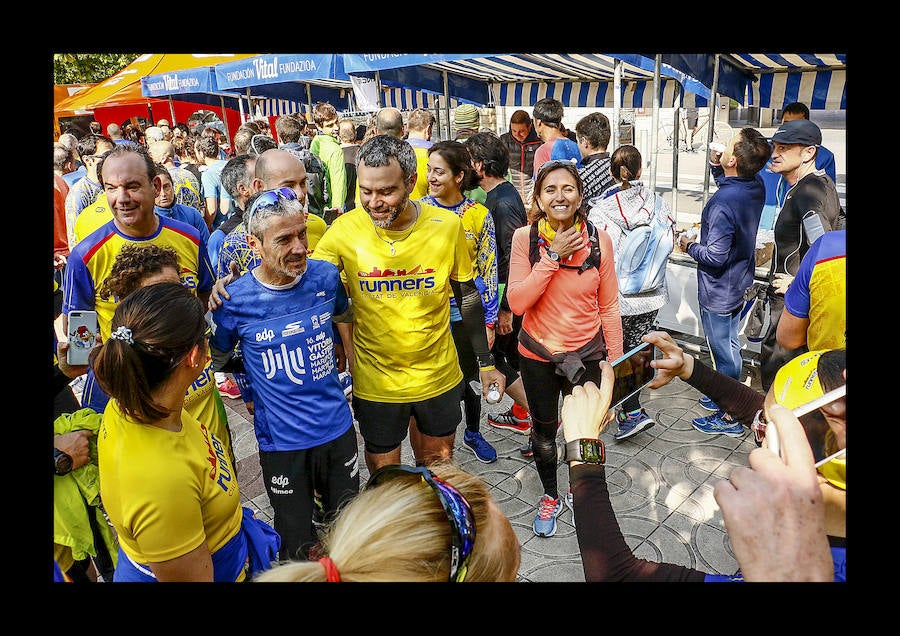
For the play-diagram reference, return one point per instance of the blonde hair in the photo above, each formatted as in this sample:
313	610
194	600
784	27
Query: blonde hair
398	532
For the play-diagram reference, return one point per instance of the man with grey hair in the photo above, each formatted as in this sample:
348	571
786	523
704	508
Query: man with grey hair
280	315
153	133
402	260
70	141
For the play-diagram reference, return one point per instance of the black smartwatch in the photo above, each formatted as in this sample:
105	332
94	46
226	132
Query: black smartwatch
553	255
589	451
62	462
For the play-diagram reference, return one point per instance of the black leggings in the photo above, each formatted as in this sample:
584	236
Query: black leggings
543	389
633	327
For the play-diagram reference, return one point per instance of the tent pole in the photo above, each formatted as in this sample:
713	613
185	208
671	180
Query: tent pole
225	119
172	110
654	121
617	102
675	129
378	89
309	100
447	104
710	123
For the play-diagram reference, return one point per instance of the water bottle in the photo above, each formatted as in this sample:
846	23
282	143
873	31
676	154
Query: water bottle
493	395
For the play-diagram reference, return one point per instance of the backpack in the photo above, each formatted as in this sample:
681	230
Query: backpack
644	253
593	260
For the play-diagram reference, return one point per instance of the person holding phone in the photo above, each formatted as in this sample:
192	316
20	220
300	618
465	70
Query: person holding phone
771	496
570	310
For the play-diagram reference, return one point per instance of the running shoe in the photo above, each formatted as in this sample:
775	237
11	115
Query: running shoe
229	389
526	450
509	421
718	424
545	522
632	424
475	442
708	404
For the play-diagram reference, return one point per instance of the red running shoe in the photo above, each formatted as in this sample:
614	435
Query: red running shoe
229	389
509	421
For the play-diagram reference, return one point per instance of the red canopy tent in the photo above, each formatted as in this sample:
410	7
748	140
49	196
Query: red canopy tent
119	97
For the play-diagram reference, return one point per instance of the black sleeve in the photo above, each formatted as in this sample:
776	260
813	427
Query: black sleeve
732	396
507	219
605	555
469	302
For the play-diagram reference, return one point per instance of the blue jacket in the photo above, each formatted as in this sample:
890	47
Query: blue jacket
726	253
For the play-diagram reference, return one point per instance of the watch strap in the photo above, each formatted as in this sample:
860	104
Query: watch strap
65	458
576	451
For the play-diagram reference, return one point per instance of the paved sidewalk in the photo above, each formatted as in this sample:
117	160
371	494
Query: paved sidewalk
660	481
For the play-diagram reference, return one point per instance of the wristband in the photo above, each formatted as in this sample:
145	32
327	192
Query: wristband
490	325
485	361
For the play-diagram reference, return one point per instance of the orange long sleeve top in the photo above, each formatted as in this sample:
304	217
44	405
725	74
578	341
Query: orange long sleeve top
562	309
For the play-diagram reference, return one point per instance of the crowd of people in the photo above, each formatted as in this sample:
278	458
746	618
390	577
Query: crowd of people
343	280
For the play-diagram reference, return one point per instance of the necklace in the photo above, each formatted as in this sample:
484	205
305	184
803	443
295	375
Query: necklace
391	243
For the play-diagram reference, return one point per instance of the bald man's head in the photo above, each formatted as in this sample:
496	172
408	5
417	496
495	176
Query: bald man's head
389	121
162	152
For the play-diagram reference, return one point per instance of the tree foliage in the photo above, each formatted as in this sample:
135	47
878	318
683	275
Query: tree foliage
88	68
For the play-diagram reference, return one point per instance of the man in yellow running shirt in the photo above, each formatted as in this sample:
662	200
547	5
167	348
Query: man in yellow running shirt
402	259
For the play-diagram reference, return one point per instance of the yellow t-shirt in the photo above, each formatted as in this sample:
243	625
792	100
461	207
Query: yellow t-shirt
315	229
92	217
166	492
401	301
421	188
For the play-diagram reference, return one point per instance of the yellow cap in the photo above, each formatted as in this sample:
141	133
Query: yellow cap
835	471
797	382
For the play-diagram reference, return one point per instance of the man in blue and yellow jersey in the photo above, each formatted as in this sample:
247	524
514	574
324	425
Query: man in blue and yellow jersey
402	260
131	184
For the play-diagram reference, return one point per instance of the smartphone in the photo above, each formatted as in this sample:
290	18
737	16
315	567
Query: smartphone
82	335
633	372
772	433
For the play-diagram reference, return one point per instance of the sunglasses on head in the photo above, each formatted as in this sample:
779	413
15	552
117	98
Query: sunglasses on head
270	198
459	513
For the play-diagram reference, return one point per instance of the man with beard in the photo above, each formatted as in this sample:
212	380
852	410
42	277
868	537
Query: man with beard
280	315
402	259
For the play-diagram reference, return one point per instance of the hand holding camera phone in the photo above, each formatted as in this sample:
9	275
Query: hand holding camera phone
633	372
82	336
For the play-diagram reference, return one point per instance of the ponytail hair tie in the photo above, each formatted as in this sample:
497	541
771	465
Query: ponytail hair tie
331	572
123	334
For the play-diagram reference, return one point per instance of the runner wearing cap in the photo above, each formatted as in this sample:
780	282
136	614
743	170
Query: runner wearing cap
811	207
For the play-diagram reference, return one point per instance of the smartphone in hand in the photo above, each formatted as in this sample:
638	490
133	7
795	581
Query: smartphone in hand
82	335
633	372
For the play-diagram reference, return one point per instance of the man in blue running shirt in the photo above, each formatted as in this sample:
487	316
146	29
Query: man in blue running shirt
281	315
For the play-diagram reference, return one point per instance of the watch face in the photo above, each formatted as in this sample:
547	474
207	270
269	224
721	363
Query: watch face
591	451
63	462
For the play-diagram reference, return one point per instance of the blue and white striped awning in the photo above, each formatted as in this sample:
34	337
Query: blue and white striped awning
772	80
817	80
592	94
